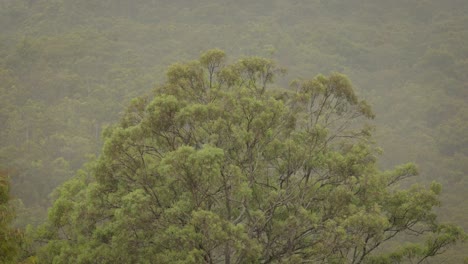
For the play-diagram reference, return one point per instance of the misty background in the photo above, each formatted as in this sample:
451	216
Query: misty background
69	68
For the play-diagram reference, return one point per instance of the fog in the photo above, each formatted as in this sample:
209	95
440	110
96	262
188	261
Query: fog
69	69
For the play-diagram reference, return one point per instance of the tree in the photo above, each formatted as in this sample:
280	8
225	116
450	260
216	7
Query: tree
9	237
218	168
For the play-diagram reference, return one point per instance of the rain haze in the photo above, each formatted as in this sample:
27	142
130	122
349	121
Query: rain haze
279	131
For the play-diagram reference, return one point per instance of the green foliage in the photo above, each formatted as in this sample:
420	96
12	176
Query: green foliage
68	67
216	171
10	238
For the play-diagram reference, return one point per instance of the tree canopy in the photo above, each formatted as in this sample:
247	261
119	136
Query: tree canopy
219	165
10	237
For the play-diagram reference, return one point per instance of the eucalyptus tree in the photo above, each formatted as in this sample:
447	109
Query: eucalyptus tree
218	166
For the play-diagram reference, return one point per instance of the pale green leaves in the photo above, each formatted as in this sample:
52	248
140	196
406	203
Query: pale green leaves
218	168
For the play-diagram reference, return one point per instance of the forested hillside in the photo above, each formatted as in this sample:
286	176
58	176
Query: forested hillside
68	70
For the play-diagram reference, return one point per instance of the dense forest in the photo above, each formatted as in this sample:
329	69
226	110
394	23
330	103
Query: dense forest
82	82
